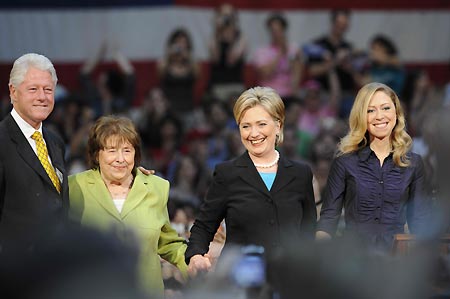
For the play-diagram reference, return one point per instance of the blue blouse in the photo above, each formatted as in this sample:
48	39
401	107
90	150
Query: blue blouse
268	178
378	200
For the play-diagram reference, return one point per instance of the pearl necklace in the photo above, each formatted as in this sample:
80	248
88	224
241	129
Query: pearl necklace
270	165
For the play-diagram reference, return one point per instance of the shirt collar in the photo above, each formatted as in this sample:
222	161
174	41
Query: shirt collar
25	127
365	153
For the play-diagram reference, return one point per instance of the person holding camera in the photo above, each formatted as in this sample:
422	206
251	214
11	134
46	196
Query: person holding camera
227	51
178	71
333	53
279	64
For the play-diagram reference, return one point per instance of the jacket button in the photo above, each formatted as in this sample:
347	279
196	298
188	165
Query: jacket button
272	222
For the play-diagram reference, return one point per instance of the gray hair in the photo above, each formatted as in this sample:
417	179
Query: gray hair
23	64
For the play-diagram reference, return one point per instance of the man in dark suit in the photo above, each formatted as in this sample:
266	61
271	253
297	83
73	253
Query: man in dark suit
32	198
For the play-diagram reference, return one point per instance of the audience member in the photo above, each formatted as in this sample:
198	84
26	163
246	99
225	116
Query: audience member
332	52
227	50
316	108
385	66
71	264
178	71
278	64
114	90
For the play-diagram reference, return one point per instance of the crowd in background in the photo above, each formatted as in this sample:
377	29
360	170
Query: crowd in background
183	139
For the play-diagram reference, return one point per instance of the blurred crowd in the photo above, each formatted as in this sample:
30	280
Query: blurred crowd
183	139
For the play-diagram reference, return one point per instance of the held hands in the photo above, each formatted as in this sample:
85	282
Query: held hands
199	264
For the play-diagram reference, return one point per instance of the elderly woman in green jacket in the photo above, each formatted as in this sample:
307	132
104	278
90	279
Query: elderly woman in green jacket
114	195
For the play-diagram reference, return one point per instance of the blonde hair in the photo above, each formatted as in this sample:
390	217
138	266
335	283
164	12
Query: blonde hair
358	136
268	99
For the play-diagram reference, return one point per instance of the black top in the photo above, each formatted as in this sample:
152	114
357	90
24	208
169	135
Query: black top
345	77
179	90
254	215
222	72
119	103
378	200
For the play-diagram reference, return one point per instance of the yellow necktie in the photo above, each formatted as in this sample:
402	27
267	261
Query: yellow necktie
42	154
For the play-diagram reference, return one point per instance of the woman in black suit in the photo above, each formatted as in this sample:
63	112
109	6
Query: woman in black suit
265	199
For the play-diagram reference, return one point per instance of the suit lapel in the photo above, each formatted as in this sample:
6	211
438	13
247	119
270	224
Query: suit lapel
97	190
25	151
136	195
284	175
248	173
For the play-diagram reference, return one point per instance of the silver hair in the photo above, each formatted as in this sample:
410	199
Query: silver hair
23	64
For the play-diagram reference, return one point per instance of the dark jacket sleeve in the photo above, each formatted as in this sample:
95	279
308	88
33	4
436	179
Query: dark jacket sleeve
333	198
2	190
419	204
211	214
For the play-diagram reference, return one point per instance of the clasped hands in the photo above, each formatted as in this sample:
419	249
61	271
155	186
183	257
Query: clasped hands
199	264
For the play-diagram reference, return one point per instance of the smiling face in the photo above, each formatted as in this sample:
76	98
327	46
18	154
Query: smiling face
258	131
33	99
116	160
381	116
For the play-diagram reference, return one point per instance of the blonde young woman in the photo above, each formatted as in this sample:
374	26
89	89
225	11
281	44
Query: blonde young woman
375	176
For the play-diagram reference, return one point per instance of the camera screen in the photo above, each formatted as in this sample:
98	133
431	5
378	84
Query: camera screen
249	271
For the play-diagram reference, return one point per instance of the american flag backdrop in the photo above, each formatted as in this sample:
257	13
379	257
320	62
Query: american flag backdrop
69	31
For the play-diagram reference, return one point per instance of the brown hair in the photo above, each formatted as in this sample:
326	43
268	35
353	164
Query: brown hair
106	127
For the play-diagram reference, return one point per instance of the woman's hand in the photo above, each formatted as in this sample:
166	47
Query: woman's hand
199	263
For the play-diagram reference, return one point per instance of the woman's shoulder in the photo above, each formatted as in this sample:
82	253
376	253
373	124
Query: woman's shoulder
415	160
340	157
414	156
299	165
84	175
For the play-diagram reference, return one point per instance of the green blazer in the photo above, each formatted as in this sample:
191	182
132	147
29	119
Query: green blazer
144	211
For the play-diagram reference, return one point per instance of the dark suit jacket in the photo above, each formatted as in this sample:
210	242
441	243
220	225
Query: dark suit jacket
253	214
29	202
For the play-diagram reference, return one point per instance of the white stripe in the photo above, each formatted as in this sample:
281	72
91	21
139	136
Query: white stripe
73	35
